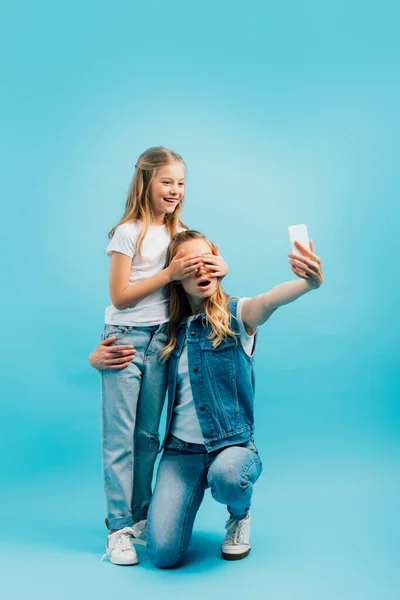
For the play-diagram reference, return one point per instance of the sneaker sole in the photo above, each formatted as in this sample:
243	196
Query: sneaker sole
227	556
132	564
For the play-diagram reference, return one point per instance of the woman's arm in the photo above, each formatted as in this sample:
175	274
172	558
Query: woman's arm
124	295
106	356
307	266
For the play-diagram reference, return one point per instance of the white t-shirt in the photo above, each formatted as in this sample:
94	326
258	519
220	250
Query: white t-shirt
185	424
154	309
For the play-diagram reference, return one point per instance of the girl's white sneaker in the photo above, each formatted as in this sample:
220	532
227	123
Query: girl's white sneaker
236	544
119	547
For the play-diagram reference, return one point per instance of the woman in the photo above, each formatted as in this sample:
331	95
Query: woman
210	420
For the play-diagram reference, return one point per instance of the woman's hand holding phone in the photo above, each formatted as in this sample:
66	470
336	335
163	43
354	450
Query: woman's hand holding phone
307	265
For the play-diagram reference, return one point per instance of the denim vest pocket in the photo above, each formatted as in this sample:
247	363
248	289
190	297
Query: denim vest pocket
220	371
227	342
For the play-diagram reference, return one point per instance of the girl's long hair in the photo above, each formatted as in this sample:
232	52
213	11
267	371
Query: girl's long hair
216	306
138	204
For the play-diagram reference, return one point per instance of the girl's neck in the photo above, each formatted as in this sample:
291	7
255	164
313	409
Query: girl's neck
158	220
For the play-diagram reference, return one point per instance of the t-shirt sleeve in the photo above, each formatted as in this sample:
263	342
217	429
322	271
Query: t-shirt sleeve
246	340
123	240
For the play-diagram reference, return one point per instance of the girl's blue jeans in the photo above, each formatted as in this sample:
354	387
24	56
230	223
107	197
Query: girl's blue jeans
131	404
185	471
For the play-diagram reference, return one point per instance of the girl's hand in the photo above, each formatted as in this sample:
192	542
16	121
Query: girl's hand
111	357
214	263
307	266
181	266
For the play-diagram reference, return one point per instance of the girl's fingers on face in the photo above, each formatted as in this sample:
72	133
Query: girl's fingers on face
211	260
191	269
194	261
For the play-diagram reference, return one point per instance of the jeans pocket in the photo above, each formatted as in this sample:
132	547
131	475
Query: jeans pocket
120	331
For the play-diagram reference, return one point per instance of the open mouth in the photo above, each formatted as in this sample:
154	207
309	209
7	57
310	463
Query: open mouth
204	284
171	200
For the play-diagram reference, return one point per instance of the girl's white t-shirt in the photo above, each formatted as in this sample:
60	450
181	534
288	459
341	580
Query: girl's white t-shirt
185	423
154	309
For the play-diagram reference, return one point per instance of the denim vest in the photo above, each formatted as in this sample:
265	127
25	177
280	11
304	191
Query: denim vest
222	382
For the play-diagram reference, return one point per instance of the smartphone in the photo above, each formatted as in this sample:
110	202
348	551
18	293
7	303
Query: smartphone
298	233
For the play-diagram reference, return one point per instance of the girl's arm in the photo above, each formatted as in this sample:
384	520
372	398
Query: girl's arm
307	266
215	264
124	295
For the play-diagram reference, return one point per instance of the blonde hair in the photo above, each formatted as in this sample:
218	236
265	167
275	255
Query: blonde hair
216	306
138	205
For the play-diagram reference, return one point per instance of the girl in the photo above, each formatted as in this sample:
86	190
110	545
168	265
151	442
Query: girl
133	397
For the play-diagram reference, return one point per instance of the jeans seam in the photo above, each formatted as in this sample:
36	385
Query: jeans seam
181	550
255	461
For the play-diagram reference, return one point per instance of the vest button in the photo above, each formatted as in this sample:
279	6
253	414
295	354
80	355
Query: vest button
192	333
202	408
212	443
195	370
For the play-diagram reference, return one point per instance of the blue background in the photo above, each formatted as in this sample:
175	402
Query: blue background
284	113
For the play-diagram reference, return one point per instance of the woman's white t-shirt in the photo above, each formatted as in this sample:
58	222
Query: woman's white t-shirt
154	309
185	423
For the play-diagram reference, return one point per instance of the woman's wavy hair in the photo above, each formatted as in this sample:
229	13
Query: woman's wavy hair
215	307
138	205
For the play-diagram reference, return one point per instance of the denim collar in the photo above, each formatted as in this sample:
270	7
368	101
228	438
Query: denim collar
184	319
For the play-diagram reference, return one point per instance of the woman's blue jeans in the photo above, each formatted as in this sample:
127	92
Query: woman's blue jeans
185	471
131	404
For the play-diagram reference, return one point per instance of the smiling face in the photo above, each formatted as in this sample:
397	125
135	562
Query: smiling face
167	190
199	285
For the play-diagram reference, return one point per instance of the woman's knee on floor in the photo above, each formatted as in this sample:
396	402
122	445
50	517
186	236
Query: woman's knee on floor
164	554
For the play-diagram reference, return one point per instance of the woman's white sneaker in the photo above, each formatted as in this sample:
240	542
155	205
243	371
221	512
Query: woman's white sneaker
119	547
236	544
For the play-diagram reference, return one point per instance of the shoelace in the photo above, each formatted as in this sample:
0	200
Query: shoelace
234	530
125	538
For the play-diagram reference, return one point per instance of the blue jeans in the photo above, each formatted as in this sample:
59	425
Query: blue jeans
185	471
131	406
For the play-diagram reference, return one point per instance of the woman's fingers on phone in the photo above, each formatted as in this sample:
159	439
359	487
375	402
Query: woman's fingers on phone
308	252
299	273
303	266
304	260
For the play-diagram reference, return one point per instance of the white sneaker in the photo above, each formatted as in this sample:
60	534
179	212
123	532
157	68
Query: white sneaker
120	549
140	533
236	544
